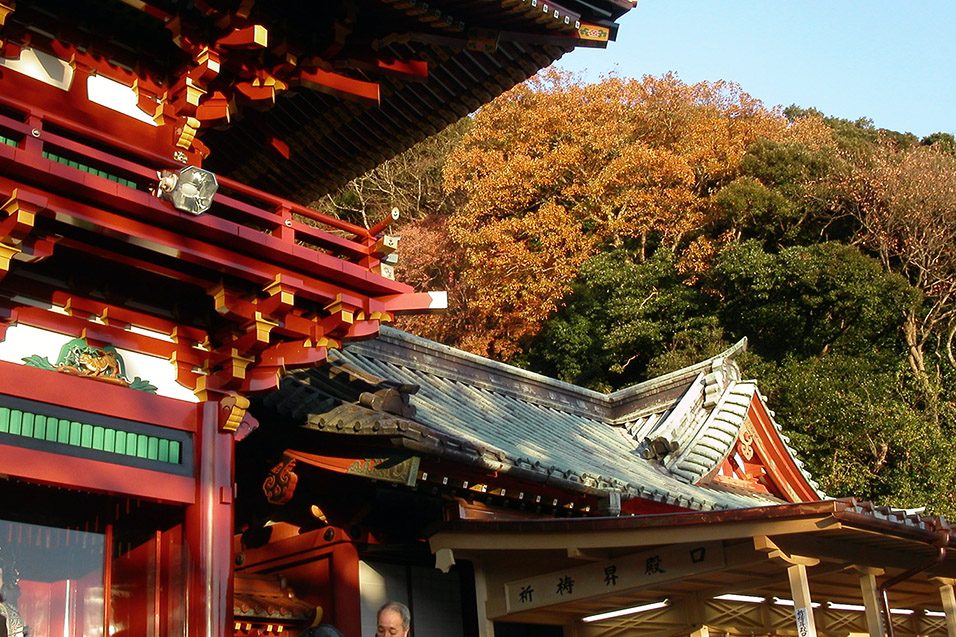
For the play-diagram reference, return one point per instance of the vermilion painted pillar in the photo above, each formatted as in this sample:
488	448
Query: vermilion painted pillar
346	597
209	530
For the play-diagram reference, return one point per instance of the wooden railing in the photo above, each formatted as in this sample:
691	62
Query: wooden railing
81	152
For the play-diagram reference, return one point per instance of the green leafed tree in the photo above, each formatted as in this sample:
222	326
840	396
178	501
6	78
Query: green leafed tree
604	234
783	196
808	301
625	320
854	421
556	171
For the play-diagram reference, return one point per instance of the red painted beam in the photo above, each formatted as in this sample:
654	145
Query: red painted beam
338	86
252	37
148	170
778	462
67	180
127	316
414	302
80	473
83	394
408	69
99	64
327	240
116	336
277	202
405	70
72	110
280	147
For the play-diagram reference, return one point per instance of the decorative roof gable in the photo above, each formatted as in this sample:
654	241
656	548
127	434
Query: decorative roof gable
664	441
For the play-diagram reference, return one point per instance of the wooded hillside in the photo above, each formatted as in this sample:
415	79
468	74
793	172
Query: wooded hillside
606	233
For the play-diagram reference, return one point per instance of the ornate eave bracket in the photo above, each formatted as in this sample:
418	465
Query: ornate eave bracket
277	331
250	66
6	8
18	241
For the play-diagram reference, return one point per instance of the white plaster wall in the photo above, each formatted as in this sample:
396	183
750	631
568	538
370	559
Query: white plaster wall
41	66
23	340
56	72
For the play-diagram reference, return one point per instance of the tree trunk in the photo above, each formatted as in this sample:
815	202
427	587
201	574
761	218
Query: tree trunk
917	363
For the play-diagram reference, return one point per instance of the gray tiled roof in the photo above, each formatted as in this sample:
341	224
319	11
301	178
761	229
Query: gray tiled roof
654	440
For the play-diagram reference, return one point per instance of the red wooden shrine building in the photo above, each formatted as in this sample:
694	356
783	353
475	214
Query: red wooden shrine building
200	433
158	268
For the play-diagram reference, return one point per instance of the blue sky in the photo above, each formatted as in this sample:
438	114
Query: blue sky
891	61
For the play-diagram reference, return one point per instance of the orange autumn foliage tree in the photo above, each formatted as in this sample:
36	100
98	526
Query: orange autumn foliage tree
430	260
555	170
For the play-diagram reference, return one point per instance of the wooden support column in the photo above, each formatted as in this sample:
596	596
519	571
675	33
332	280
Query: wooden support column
802	608
571	630
949	603
691	610
486	628
799	585
703	631
209	530
871	600
346	596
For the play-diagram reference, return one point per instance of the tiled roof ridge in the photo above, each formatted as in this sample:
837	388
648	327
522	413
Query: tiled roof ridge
419	437
665	436
623	399
614	408
461	357
478	412
910	517
715	438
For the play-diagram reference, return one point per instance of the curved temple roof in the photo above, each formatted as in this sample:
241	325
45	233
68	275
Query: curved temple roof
660	440
298	97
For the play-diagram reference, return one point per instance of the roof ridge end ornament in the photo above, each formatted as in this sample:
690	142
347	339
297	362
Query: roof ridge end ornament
724	371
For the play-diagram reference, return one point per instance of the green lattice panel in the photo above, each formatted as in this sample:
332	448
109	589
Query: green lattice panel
8	141
79	434
86	169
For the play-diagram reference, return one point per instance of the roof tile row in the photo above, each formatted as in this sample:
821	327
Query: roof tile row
514	420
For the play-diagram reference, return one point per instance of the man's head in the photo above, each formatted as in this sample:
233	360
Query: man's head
394	620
